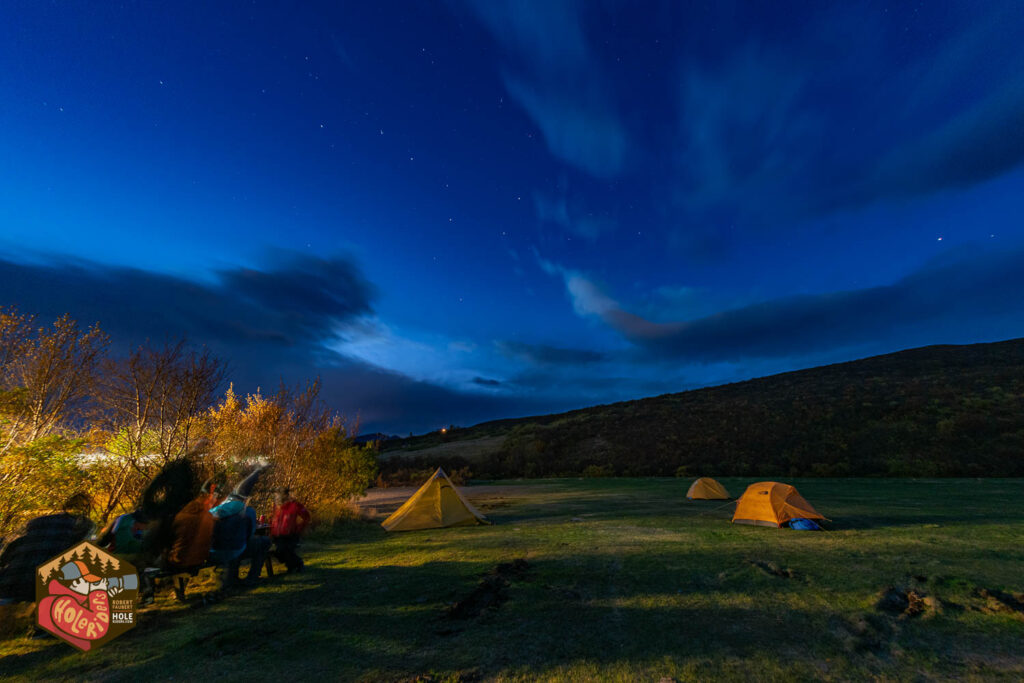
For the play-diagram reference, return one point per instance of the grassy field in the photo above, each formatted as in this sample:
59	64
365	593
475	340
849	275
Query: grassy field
621	580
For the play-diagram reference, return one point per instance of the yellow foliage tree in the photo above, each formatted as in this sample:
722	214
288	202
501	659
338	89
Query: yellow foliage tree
309	447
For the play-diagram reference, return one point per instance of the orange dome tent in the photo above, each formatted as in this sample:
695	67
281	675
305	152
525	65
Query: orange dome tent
769	503
707	488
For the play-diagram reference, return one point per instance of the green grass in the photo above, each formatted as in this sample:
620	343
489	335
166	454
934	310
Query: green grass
643	585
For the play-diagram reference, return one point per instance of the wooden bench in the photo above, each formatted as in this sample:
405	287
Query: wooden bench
184	574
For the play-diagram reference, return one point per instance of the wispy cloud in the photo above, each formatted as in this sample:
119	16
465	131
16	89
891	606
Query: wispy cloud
554	75
422	356
975	145
767	137
955	301
572	217
581	128
543	354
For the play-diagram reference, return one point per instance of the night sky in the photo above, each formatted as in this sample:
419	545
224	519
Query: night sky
458	211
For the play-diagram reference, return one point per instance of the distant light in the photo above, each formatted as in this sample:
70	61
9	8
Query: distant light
444	430
940	239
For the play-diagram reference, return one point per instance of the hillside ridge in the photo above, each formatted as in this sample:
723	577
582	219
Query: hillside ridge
941	410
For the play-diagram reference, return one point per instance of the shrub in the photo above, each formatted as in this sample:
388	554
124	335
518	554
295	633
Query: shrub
596	471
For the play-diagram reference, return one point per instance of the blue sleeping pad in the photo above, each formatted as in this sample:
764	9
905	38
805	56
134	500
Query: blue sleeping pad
801	524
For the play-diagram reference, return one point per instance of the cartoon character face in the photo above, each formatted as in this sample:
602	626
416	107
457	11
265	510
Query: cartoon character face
80	586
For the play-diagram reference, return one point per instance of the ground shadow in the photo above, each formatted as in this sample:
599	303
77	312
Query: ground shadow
396	620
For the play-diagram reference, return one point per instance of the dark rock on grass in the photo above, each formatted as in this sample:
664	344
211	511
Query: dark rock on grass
773	569
517	568
893	600
490	593
909	599
905	603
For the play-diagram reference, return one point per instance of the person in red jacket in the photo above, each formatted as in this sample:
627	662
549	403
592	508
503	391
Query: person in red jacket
290	519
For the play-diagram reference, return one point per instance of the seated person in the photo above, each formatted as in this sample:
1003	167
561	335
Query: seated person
234	534
39	540
123	536
192	532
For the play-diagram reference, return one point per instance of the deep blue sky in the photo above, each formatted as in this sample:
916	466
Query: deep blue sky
456	211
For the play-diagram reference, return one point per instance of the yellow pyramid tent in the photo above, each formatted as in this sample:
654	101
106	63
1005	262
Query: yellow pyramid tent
707	488
437	504
769	503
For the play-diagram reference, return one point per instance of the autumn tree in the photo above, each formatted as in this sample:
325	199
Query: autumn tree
45	374
39	476
157	396
152	405
310	447
15	330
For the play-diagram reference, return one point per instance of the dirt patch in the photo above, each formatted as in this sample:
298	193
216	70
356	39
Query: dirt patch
907	603
490	592
773	569
999	602
908	600
933	606
902	603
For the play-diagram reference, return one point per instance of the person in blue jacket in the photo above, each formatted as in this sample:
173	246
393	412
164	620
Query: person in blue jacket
234	533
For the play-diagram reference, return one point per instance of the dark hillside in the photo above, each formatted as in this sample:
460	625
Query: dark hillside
932	411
